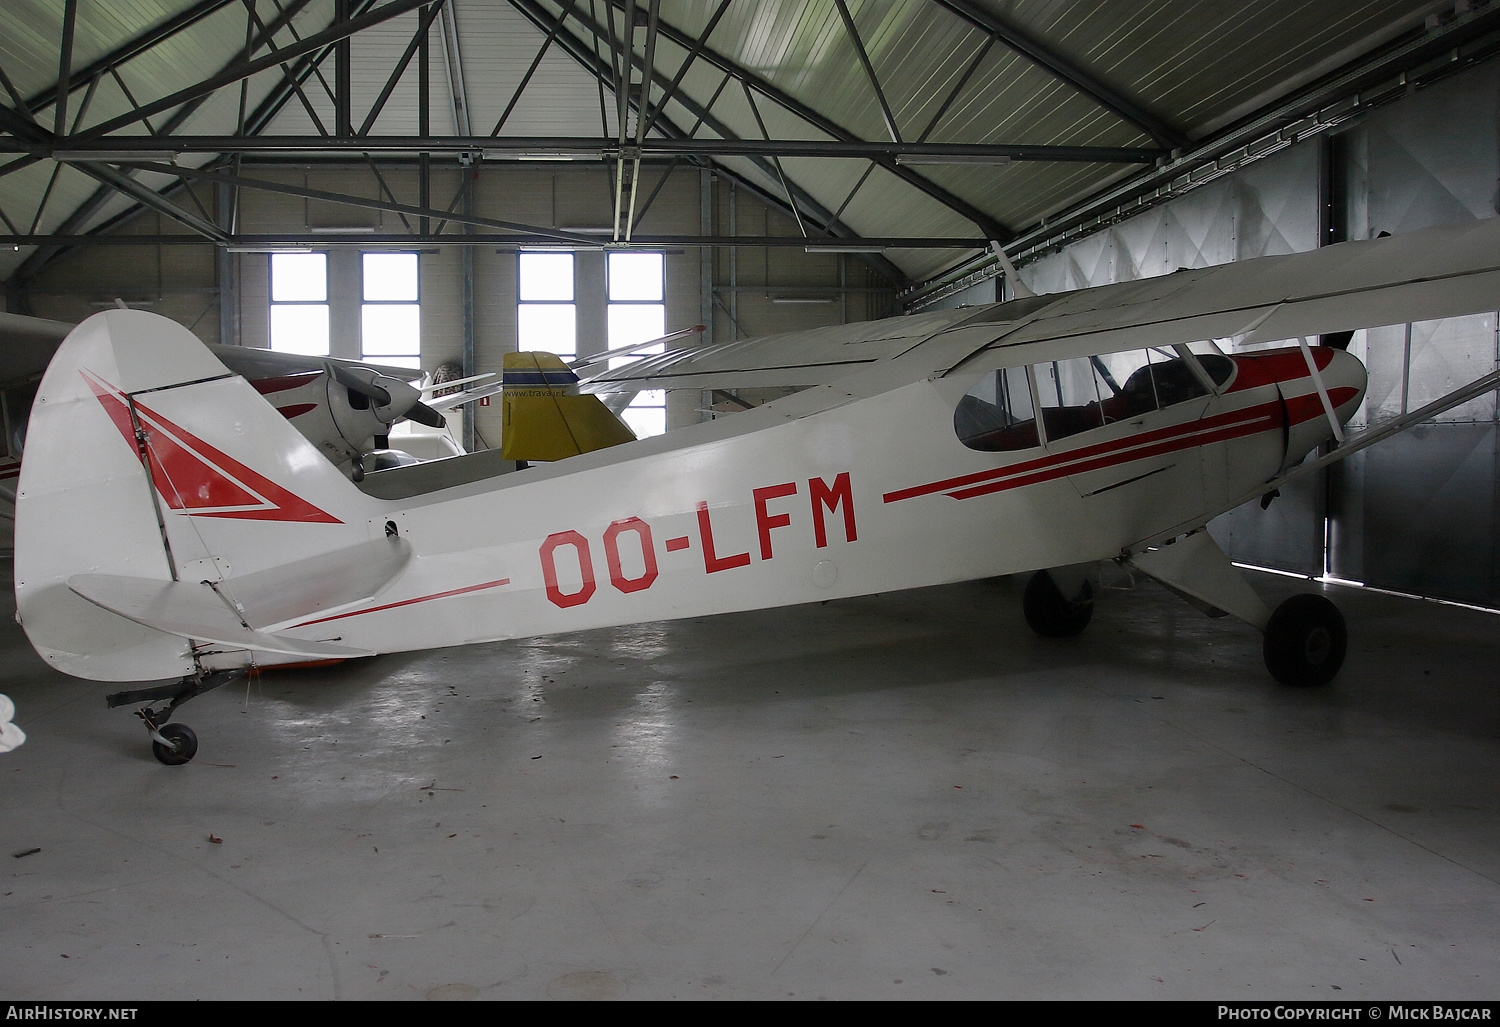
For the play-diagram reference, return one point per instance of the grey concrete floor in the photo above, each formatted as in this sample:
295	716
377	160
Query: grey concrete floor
901	796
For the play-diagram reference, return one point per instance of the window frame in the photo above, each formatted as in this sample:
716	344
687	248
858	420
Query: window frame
273	304
645	401
527	345
392	359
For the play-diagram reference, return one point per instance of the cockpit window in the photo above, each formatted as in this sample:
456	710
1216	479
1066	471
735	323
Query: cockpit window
1078	395
996	415
1174	381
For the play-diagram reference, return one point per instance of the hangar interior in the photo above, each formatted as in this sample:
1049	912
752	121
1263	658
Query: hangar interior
905	795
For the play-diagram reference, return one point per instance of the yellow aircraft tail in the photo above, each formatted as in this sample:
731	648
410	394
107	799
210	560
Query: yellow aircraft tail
544	417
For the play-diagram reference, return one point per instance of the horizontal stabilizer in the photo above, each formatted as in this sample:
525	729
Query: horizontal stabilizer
235	611
193	610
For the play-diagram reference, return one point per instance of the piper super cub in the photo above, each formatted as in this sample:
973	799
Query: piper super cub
170	524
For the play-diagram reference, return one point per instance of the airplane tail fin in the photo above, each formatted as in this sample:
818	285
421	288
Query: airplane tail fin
149	464
544	416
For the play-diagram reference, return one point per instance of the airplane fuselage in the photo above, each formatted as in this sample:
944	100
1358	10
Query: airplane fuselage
872	495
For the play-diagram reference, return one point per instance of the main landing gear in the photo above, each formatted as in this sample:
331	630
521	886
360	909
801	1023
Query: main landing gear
1050	613
172	744
1304	641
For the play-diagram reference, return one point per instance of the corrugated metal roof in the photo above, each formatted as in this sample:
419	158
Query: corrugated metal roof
1099	74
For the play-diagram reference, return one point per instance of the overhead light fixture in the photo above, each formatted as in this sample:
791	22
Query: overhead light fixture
268	249
549	155
843	248
818	300
111	156
344	230
951	158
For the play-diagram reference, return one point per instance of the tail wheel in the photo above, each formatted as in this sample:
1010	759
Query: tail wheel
1051	614
1305	641
184	745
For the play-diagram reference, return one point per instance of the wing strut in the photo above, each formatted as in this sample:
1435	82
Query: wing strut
1352	444
1317	377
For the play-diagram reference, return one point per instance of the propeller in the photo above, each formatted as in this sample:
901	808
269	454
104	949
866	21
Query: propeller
392	398
424	414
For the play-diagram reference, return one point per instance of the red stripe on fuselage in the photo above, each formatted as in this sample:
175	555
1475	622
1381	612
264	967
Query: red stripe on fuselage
405	602
1119	450
266	386
1275	368
1205	431
1264	421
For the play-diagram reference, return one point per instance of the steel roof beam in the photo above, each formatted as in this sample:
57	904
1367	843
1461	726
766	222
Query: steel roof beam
1422	58
1152	124
536	233
139	45
288	77
536	62
399	241
150	197
65	67
448	36
424	24
580	147
281	94
987	224
687	63
595	65
242	70
41	258
864	59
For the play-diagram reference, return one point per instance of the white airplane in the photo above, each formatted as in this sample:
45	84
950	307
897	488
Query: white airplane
170	524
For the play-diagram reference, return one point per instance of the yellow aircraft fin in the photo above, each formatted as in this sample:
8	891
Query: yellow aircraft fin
544	418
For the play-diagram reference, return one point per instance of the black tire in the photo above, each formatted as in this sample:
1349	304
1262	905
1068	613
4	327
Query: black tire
1049	613
1305	642
184	745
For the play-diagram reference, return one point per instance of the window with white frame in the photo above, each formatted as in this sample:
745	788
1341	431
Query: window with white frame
299	303
638	313
546	318
390	321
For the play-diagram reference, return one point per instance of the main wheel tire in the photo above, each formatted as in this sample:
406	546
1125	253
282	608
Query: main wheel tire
1305	641
184	745
1049	613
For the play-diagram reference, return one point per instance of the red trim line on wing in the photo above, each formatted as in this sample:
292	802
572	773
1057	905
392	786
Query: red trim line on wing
404	602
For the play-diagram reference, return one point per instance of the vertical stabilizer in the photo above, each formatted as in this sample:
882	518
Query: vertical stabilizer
544	416
148	459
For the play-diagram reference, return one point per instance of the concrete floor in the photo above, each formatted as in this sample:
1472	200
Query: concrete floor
902	796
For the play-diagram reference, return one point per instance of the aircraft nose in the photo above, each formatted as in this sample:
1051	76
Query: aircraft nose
1345	378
